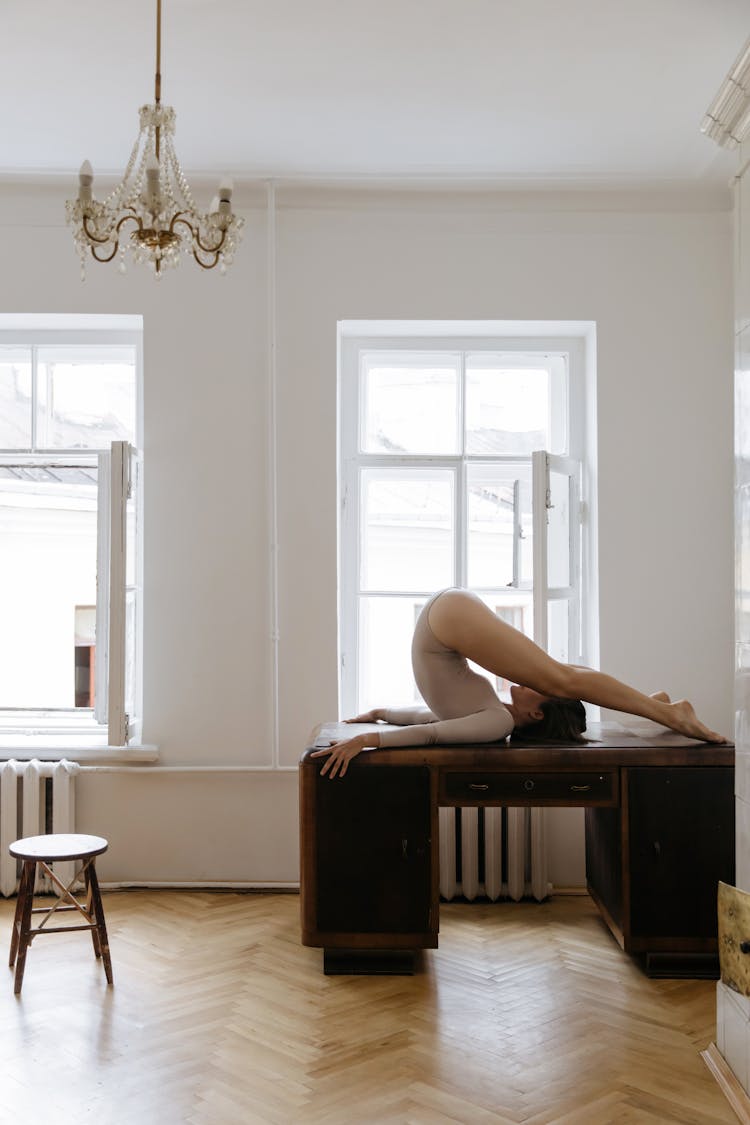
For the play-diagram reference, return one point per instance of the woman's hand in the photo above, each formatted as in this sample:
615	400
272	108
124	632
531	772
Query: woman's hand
340	754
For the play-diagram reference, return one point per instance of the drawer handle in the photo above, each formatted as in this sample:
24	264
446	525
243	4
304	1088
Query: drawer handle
473	785
579	788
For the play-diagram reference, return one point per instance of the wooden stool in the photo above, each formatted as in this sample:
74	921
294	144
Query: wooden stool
43	850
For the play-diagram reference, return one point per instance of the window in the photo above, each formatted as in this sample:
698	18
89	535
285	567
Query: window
459	466
69	540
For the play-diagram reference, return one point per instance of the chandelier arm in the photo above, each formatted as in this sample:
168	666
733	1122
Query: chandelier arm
134	218
92	237
196	234
212	249
109	257
125	219
206	265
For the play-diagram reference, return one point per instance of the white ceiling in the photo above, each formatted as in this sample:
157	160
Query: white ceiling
508	92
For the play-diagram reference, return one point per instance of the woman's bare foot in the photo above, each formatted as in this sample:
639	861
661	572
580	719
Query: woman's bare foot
685	721
661	696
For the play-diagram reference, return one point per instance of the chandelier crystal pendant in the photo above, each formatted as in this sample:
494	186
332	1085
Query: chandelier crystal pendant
152	212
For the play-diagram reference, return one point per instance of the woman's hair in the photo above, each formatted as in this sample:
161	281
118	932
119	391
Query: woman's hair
564	720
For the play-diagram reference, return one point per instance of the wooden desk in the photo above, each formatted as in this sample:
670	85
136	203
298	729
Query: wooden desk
659	836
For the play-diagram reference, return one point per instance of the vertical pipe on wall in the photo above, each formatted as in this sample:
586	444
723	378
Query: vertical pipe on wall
272	464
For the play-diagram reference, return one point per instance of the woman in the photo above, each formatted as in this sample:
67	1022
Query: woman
456	626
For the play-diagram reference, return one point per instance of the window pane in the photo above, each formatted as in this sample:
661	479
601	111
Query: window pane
47	573
132	591
407	533
86	397
410	403
131	642
507	408
131	536
558	530
15	398
386	626
558	640
499	525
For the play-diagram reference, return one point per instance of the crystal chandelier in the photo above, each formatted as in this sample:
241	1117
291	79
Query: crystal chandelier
152	212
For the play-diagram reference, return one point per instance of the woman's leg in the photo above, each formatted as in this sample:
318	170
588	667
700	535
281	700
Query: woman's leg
463	622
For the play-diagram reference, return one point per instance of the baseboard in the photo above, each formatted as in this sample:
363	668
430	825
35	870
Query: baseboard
727	1082
258	888
281	888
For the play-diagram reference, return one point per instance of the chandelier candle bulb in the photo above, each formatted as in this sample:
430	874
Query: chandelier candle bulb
85	180
225	199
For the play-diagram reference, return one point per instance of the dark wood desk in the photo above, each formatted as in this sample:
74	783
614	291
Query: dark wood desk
659	837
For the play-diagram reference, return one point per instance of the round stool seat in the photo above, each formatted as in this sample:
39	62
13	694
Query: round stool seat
58	845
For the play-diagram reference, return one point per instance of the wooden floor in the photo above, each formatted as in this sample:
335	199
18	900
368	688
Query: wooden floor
527	1013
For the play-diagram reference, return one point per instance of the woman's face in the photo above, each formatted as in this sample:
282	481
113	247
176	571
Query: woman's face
526	703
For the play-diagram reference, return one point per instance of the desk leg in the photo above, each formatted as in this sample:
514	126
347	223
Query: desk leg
369	962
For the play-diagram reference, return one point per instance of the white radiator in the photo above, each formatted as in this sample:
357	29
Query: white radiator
507	846
29	806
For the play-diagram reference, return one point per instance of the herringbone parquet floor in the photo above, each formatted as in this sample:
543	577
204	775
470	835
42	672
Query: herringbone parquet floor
526	1014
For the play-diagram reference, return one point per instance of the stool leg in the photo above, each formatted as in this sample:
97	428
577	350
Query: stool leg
90	908
20	901
101	928
25	926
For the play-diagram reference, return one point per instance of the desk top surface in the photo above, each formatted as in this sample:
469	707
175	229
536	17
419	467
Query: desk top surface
609	745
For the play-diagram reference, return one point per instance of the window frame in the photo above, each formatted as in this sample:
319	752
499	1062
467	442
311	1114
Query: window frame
51	727
355	342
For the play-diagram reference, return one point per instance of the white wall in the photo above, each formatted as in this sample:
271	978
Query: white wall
655	275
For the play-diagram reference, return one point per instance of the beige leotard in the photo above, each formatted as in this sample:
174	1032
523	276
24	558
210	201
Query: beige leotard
463	706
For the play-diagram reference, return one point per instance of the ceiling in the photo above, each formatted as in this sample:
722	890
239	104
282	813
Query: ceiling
542	93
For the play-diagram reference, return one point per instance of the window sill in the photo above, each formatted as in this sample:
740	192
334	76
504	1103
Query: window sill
73	747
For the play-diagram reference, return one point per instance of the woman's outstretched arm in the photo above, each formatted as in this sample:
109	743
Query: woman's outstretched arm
339	754
399	716
491	725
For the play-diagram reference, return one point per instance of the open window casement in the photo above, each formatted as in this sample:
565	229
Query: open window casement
556	509
557	555
118	603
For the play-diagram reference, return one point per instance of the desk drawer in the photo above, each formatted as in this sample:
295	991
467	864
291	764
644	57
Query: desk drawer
529	788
